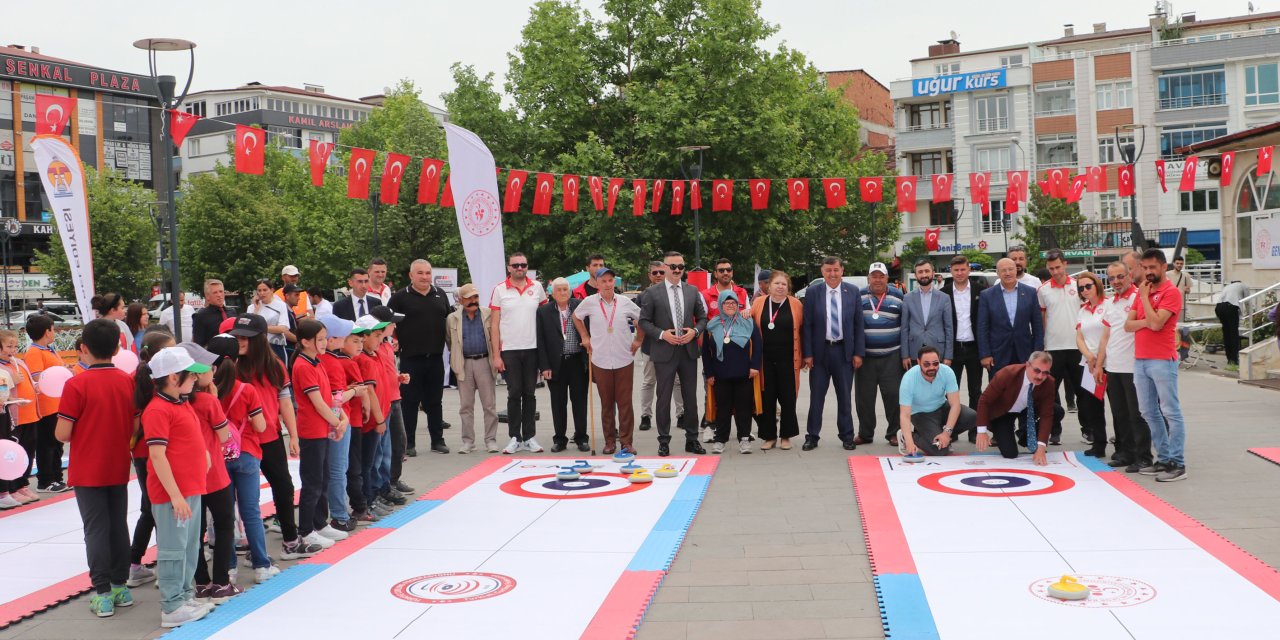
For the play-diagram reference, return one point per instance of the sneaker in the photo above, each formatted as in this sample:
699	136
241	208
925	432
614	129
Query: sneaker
102	606
717	447
411	452
345	526
333	534
744	445
121	596
393	498
491	446
645	424
708	435
1086	438
8	502
440	447
380	510
220	593
1154	470
203	592
233	574
1231	366
512	447
299	549
466	448
54	487
402	487
273	525
1053	440
25	494
317	538
1071	408
205	606
363	517
186	613
1173	474
139	574
532	445
263	574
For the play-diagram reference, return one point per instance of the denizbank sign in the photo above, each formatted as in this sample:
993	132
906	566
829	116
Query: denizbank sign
976	81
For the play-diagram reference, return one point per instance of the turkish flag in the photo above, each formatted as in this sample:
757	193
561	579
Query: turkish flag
446	198
677	197
392	176
931	238
695	194
1228	163
569	187
1188	182
721	195
1097	179
637	197
798	193
515	190
759	194
615	185
250	149
835	192
1018	186
597	192
871	189
319	158
1077	189
942	186
1059	183
429	181
359	170
658	186
180	123
1160	175
1264	160
980	191
1126	180
1043	185
905	188
53	113
544	187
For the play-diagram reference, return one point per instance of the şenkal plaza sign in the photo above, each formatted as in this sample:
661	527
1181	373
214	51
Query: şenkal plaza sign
51	72
975	81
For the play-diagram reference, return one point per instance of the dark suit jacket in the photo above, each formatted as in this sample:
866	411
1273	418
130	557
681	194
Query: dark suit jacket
975	289
550	338
1009	344
346	307
204	323
815	320
655	317
1003	391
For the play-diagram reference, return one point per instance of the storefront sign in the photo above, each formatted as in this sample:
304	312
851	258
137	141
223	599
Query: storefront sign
1266	242
1074	253
29	70
975	81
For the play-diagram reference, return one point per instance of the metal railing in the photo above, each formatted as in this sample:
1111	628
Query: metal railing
1254	323
928	127
1188	102
986	125
1219	36
1117	234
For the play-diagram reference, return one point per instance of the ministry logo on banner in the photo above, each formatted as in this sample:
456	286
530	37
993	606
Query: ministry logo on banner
473	178
63	179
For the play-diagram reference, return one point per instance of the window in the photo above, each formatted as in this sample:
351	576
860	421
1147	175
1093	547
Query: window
1056	150
1194	87
927	164
285	137
942	213
1055	98
1113	207
1261	85
1176	136
193	147
946	68
992	113
1010	61
997	222
1198	201
195	108
934	115
993	159
1115	95
127	119
1107	151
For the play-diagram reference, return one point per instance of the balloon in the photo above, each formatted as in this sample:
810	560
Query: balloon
13	460
53	380
126	361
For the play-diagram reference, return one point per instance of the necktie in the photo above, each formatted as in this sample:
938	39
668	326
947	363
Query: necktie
361	308
833	313
675	290
1032	431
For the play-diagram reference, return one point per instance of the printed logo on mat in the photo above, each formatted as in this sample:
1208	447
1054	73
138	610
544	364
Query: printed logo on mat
1105	592
996	483
449	588
593	485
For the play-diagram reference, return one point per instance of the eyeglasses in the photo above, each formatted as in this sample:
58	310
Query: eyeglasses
929	365
675	267
724	270
519	265
657	273
1039	372
1086	286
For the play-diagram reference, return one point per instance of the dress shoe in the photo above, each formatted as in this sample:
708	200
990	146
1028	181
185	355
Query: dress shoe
809	444
664	450
440	447
860	440
557	447
645	425
1119	462
693	446
849	445
445	425
892	440
1094	453
411	452
608	451
582	446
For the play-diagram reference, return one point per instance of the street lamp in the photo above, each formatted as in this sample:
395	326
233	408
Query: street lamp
165	86
375	201
1005	220
1130	154
694	172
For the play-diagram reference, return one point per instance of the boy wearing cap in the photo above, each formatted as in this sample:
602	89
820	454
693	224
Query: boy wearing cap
391	450
290	276
380	379
344	454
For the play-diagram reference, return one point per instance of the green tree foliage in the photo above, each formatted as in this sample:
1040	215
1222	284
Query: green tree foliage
976	256
1044	211
912	250
123	239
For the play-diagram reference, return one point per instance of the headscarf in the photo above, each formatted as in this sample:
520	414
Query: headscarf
738	330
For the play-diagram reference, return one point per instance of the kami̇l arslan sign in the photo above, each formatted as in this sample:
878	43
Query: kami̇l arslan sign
975	81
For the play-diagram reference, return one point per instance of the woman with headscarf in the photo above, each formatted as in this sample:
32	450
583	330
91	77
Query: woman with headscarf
779	317
732	354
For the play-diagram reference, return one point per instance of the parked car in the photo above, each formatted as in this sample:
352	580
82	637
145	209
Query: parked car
65	308
18	319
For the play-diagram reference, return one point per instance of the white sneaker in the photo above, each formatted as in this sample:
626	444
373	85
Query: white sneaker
188	612
320	541
532	445
8	502
466	448
513	446
491	446
717	447
708	435
333	534
263	574
744	445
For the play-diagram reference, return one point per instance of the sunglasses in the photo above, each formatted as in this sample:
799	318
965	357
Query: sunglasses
657	273
929	365
675	267
724	270
1084	287
519	265
1039	372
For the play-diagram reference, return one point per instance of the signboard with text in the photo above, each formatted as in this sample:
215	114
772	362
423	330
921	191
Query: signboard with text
960	82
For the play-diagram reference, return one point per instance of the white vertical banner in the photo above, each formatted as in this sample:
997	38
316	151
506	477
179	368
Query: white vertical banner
64	184
1266	242
473	177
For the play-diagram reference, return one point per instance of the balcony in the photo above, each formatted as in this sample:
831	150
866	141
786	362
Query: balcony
1190	102
1100	238
991	125
926	137
1221	47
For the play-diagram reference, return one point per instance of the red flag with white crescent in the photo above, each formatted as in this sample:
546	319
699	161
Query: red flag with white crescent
637	197
596	184
932	237
180	123
721	195
1059	182
658	186
544	187
942	186
429	181
53	113
359	171
1097	179
677	197
834	189
1044	186
1160	175
446	196
1017	189
798	193
759	193
980	191
250	149
392	176
1188	182
905	189
1125	178
1077	189
319	159
695	194
515	190
615	185
1228	164
1264	159
570	185
871	189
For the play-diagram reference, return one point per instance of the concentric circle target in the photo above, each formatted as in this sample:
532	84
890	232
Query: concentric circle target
449	588
1105	592
996	483
596	485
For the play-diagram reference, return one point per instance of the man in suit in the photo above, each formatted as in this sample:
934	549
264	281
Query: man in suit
1009	323
834	345
1019	393
926	318
963	294
563	364
673	316
360	301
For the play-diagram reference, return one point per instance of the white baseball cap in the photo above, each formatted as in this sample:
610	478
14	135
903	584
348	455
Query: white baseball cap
290	270
367	323
172	360
878	266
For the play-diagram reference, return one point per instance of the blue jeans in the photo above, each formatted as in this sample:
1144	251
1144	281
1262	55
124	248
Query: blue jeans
377	476
245	478
1157	385
336	490
177	548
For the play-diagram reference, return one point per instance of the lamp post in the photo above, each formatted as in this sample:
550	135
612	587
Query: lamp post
1005	221
693	172
375	201
1130	154
165	86
958	206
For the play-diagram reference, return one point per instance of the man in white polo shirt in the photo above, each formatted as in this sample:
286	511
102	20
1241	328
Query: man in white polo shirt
1059	307
1018	254
1116	352
514	337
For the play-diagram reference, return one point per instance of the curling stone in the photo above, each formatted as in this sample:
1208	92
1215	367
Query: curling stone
583	467
1068	588
913	457
630	467
624	456
640	477
666	471
566	474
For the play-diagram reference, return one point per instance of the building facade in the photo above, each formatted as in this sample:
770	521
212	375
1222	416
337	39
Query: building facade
871	98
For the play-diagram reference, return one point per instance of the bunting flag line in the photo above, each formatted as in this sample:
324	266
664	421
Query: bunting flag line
658	186
1228	164
569	187
515	188
392	173
942	186
53	113
1188	182
759	194
596	184
429	181
721	195
637	197
1160	175
798	193
1098	179
677	197
250	148
905	189
359	170
615	185
446	197
542	192
1264	159
1125	188
870	189
180	123
318	156
835	192
695	195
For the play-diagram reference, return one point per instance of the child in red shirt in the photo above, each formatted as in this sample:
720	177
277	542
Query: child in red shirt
377	484
39	357
96	417
318	423
140	574
342	464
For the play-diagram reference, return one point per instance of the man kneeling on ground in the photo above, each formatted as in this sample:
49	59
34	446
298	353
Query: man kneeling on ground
1020	393
931	415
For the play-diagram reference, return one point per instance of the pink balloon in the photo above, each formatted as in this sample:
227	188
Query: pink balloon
13	460
53	380
126	361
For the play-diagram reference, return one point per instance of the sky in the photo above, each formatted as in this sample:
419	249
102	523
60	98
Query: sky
355	48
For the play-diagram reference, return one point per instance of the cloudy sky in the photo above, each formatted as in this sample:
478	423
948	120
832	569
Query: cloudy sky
356	47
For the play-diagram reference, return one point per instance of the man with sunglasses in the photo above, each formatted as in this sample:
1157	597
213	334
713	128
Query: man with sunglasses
657	276
673	316
929	406
1116	351
514	340
1019	393
1059	308
724	282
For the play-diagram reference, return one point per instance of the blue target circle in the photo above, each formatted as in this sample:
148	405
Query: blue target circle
996	482
581	484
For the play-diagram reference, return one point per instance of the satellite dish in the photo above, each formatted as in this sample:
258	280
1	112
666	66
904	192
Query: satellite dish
1250	7
956	37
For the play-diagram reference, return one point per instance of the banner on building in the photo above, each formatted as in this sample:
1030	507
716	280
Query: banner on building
1266	242
64	184
475	189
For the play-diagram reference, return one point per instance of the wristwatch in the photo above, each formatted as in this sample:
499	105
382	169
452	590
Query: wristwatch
948	430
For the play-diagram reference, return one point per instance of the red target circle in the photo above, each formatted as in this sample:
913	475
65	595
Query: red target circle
517	487
448	588
1057	483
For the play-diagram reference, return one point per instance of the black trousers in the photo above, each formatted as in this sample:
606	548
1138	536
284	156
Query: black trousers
735	400
221	506
1133	436
778	397
104	511
49	452
426	390
1093	419
146	521
275	466
355	470
1066	371
686	369
522	382
399	440
313	467
1229	315
567	386
1010	428
883	373
965	361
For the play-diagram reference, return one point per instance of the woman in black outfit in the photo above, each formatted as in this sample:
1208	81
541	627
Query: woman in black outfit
779	317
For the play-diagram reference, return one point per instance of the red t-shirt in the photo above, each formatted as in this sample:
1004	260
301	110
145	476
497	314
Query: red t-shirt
387	356
375	372
174	425
308	376
269	396
246	405
712	297
99	405
337	371
353	376
212	420
1158	345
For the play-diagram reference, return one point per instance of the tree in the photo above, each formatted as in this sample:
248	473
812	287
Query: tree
977	256
1045	211
123	239
913	250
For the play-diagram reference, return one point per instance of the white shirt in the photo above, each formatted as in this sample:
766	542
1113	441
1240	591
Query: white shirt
833	332
519	309
166	319
1090	323
276	313
1020	404
673	291
325	308
1061	304
1235	292
383	293
960	302
1120	342
370	301
609	349
1029	280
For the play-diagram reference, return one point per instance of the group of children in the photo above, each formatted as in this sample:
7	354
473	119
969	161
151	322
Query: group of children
199	427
